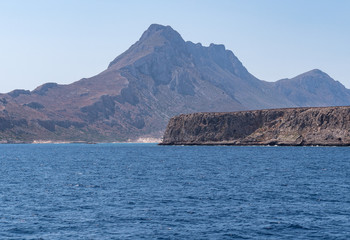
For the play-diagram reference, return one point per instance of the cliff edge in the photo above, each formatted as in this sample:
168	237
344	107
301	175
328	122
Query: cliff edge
326	126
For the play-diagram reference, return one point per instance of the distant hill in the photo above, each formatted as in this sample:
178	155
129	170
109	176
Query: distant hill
158	77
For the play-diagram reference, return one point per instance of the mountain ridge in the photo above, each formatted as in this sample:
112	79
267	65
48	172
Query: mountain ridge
158	77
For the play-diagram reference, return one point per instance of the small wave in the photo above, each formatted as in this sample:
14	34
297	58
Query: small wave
21	231
297	226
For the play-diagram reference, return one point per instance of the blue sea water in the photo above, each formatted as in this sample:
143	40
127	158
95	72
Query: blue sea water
145	191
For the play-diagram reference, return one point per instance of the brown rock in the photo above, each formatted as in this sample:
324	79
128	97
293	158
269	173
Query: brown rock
327	126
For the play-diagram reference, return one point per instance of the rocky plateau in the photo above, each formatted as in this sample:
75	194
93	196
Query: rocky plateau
328	126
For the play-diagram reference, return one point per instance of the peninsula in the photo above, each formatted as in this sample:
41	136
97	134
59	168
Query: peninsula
323	126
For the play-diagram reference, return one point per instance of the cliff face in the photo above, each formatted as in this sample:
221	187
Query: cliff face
329	126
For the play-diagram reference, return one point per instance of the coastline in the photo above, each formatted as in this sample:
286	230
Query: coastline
313	126
139	140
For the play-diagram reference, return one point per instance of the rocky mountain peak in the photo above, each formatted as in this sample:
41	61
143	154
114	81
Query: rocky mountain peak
314	88
159	34
316	73
154	38
217	47
314	78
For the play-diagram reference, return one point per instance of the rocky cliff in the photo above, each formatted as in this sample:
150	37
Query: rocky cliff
329	126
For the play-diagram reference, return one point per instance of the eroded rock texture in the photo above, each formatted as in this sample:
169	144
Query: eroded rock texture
329	126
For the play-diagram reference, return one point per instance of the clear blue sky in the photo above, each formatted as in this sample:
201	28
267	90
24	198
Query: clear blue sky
66	40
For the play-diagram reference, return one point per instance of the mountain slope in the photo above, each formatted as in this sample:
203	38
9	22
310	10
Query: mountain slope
313	88
158	77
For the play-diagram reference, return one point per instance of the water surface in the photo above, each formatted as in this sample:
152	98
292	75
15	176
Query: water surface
145	191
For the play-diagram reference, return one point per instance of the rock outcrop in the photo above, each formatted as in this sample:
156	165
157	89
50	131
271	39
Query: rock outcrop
328	126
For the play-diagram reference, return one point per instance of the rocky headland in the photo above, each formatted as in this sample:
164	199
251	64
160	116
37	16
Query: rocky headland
323	126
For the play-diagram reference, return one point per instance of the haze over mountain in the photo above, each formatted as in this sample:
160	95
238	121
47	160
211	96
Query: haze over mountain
158	77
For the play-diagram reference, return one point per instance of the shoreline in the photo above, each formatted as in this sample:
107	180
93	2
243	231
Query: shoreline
253	145
148	140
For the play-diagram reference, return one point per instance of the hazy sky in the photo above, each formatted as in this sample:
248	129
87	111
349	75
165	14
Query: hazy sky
66	40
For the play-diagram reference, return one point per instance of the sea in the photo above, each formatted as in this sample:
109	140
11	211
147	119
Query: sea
146	191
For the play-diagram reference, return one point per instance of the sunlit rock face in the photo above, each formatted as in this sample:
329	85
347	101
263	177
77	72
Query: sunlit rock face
329	126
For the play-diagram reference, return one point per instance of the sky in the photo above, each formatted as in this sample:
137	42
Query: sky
63	41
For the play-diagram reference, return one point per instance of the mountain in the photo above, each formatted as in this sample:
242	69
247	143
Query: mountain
158	77
313	88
